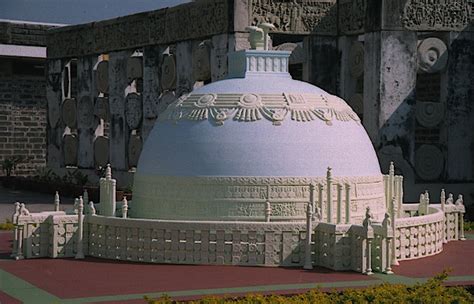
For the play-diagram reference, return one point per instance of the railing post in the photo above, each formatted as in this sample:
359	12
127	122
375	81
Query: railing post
308	263
107	193
80	229
268	206
348	203
19	253
124	207
320	200
394	260
339	203
391	175
56	201
329	195
387	225
16	231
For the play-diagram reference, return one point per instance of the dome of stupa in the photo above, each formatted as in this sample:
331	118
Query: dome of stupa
225	150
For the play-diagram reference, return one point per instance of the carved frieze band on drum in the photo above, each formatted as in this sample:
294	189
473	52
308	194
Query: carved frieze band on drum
103	76
429	114
69	113
101	108
134	68
133	110
432	55
356	59
134	150
429	162
70	144
85	110
168	72
202	61
101	151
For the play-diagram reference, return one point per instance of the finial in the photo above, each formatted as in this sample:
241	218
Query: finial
392	168
80	205
387	222
266	27
459	201
256	38
368	218
124	207
17	209
108	172
56	201
23	210
329	172
450	199
86	197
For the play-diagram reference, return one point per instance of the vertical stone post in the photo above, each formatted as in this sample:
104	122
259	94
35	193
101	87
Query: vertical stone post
16	231
151	87
339	203
184	67
462	237
348	203
124	208
456	225
19	250
369	256
394	260
308	263
391	182
443	207
85	196
107	193
54	127
312	198
443	199
329	195
56	201
400	196
80	230
118	126
320	200
268	211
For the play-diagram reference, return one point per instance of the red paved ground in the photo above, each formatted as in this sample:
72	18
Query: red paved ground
458	256
69	278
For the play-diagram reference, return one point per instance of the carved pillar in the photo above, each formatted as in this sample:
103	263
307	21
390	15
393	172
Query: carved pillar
220	48
80	230
329	195
462	237
308	262
339	203
118	127
56	201
369	257
86	120
54	98
348	203
19	252
107	193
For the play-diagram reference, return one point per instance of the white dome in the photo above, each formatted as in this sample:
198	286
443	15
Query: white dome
264	128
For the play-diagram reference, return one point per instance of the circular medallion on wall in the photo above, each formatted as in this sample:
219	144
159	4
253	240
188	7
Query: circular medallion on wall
429	162
134	150
101	151
134	68
432	55
133	110
70	149
103	76
356	59
101	108
429	114
168	72
69	113
201	62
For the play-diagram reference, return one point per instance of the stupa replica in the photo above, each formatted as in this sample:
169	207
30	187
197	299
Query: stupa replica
237	172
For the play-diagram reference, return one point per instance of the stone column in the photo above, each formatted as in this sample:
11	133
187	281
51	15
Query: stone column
107	193
80	230
308	262
56	201
184	67
348	203
329	195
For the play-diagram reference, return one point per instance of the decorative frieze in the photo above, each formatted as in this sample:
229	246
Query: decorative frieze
352	16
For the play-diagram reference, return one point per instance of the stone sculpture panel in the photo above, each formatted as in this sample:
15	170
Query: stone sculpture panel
298	17
352	16
426	15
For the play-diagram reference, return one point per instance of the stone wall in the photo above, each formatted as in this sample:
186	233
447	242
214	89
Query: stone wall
22	114
23	33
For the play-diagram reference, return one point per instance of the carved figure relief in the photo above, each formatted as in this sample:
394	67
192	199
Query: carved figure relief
133	110
202	62
69	113
134	150
432	55
134	68
70	149
356	59
429	162
300	16
425	15
85	112
103	76
168	73
101	151
101	108
429	114
252	107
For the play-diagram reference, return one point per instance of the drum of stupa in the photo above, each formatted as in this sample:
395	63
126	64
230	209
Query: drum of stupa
231	149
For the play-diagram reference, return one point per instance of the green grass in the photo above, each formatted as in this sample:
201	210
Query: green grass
8	225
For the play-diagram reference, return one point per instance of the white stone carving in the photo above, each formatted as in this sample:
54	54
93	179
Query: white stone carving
429	114
432	55
429	162
69	113
168	72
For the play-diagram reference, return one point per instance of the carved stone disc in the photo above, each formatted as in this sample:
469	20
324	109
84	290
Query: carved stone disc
70	149
85	111
101	151
168	72
133	110
429	114
134	68
103	76
201	62
429	161
134	149
432	55
356	59
101	108
69	113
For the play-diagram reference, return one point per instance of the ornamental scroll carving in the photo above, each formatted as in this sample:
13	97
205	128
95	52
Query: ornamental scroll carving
424	15
299	16
252	107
